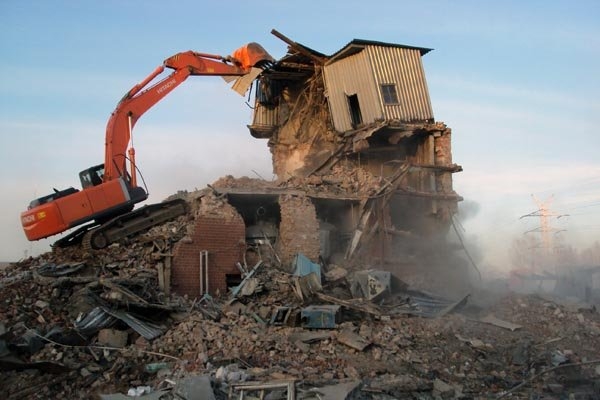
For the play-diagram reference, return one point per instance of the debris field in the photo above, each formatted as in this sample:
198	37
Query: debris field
281	324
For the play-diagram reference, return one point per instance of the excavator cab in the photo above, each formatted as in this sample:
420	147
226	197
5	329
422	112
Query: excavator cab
92	176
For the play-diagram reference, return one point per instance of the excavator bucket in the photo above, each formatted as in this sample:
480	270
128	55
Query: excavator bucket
252	55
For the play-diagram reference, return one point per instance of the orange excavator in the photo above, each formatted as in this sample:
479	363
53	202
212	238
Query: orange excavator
110	190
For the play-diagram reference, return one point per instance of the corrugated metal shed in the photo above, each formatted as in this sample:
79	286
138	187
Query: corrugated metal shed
361	67
265	121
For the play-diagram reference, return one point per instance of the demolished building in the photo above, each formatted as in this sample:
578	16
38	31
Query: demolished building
364	172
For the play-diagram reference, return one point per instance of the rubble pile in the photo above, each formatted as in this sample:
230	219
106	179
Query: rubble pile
357	334
341	180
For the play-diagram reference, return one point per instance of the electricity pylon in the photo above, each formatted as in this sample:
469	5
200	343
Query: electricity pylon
546	231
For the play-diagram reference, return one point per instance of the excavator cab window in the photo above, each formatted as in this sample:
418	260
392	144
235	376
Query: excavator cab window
92	176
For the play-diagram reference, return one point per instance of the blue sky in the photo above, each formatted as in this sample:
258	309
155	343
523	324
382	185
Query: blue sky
517	82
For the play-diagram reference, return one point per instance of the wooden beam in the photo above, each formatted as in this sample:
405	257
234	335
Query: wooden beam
298	47
449	168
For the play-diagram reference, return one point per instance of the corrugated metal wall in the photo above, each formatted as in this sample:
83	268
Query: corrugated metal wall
265	116
351	75
404	68
363	73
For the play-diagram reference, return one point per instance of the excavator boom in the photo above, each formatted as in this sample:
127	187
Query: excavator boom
140	99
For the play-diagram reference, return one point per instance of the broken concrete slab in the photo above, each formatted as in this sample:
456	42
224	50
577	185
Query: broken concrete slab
309	336
353	340
112	338
493	320
443	389
195	387
339	391
476	343
41	304
335	273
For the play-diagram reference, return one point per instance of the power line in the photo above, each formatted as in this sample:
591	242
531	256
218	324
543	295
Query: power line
584	183
595	204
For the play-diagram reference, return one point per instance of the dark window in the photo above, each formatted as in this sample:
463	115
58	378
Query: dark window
388	91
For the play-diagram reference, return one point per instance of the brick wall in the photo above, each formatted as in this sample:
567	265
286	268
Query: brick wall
299	229
224	238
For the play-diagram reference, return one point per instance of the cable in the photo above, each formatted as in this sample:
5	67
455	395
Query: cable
466	251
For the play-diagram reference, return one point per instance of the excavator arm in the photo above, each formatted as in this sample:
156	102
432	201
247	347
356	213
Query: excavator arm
141	98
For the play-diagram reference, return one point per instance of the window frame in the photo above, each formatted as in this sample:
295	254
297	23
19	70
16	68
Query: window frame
387	94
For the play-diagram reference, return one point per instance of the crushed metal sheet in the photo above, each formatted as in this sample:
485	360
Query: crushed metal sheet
492	320
53	270
93	321
102	317
21	276
354	304
147	329
425	305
